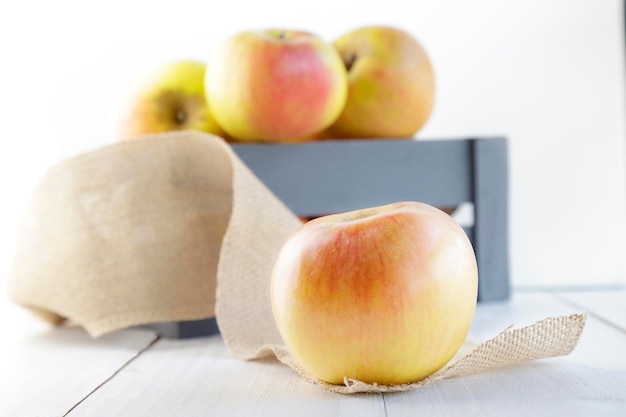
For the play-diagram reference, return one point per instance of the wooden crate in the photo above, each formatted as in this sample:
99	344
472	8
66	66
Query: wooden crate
317	178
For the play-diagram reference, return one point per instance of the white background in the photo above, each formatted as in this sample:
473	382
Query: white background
549	75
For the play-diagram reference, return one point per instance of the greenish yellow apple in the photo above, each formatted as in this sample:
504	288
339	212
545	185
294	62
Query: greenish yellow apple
170	98
391	85
276	85
384	295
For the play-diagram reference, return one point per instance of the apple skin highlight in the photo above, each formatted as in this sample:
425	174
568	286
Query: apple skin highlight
384	295
276	85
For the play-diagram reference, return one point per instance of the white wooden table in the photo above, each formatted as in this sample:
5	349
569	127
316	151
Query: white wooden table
63	372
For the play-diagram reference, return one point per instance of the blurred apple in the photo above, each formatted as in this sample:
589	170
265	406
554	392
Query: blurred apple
276	85
391	84
384	295
170	98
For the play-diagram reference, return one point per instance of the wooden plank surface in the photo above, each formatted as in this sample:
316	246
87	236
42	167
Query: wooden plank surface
64	372
589	381
606	304
198	377
46	372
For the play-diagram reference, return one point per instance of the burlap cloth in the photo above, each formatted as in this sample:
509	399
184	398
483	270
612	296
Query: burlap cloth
175	227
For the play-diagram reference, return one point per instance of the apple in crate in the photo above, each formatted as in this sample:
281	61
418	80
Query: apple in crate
391	84
170	98
384	295
276	85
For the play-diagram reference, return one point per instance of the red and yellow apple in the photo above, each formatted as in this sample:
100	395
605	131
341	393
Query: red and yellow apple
384	295
391	85
276	85
170	98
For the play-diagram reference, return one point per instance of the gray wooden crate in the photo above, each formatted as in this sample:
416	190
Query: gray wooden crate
317	178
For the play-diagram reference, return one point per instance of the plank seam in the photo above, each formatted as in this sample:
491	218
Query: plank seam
563	298
114	374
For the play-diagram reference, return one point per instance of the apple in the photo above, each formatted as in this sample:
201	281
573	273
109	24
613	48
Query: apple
276	85
383	295
170	98
391	85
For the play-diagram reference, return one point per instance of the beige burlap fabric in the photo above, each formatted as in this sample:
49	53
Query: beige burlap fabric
175	227
554	336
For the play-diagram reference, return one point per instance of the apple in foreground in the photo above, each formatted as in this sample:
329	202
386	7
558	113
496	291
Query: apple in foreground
276	85
384	295
170	98
391	85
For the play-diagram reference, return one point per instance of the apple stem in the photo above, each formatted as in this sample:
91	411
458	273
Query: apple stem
349	60
180	117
